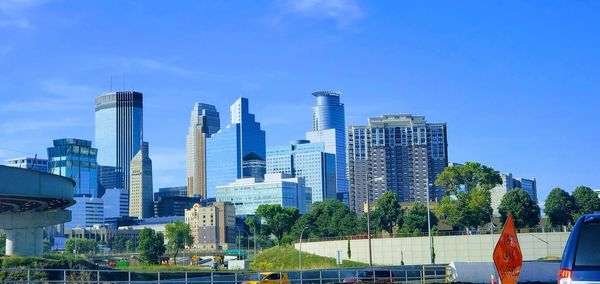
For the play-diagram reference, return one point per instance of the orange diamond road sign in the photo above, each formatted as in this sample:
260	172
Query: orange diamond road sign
507	254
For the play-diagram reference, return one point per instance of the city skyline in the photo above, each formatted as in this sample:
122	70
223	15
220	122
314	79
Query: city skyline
513	95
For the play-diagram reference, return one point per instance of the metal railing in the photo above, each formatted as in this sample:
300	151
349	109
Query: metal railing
401	274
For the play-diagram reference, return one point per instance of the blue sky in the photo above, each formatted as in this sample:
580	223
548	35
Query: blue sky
516	81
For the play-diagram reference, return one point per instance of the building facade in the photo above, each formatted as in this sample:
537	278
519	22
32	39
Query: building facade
213	227
236	151
76	159
509	183
36	164
309	161
86	212
276	189
140	193
329	127
204	122
118	131
400	153
165	206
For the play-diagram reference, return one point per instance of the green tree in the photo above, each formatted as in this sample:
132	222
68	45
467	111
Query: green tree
129	247
525	212
117	243
80	245
279	220
559	207
327	218
2	243
387	212
416	218
586	201
151	246
470	175
179	236
471	207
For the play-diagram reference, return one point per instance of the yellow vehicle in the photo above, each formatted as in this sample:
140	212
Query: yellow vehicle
269	278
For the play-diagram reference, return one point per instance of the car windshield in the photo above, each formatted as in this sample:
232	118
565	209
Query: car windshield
588	250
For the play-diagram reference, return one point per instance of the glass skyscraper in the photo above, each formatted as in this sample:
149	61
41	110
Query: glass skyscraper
329	127
236	151
76	159
308	161
281	189
204	122
400	153
119	127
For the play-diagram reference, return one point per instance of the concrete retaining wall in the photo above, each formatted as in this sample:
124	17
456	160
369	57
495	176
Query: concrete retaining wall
468	248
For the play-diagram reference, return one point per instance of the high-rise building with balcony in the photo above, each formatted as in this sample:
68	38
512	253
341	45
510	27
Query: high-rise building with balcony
204	122
309	161
400	153
141	203
76	159
118	131
236	151
328	127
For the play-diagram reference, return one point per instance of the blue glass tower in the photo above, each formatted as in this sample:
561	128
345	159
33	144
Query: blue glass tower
76	159
236	151
329	127
119	127
309	161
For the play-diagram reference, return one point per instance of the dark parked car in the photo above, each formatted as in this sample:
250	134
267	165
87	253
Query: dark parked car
581	258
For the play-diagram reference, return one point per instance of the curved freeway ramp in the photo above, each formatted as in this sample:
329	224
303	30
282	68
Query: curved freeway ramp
29	201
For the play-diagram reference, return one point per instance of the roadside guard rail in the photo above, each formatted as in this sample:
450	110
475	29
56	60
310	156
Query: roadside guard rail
399	274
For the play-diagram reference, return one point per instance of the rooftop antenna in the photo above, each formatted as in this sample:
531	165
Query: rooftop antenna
123	83
111	82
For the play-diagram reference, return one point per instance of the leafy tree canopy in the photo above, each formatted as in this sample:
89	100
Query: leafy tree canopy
559	207
279	220
416	218
387	212
151	246
586	201
471	175
179	236
525	212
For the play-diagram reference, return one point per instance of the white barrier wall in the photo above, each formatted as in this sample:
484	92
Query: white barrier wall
467	248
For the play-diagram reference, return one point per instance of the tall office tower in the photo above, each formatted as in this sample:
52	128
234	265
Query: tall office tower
204	123
401	153
358	168
141	203
329	127
236	151
119	127
36	164
306	160
76	159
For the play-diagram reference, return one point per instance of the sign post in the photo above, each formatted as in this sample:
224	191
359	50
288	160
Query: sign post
507	254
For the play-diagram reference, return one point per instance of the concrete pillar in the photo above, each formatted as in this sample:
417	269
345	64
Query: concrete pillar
25	242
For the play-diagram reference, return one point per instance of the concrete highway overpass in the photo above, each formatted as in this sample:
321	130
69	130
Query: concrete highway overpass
29	201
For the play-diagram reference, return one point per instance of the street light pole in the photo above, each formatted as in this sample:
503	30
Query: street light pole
300	254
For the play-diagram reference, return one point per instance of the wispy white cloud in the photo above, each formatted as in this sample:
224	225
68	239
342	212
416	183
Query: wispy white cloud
25	125
15	13
343	12
137	64
59	95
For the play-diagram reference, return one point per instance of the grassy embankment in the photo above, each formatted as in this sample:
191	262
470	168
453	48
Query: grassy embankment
286	258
